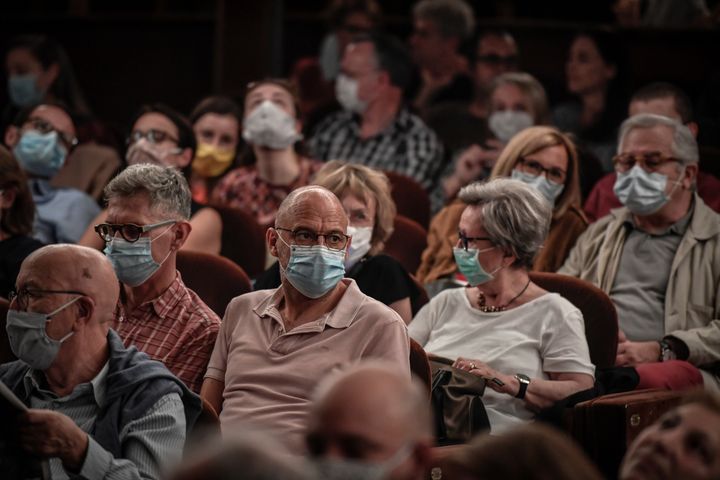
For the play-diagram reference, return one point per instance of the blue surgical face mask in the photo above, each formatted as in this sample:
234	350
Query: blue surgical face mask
314	270
641	192
550	190
133	261
469	265
23	90
28	338
40	154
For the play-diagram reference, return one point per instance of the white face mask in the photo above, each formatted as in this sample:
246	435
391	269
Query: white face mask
346	92
359	246
508	123
143	151
270	126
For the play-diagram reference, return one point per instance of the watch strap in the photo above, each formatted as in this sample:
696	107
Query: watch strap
524	381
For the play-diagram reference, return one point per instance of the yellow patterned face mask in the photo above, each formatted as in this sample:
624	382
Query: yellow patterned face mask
211	161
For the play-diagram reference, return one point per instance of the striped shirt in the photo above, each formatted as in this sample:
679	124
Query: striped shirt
407	146
149	443
176	328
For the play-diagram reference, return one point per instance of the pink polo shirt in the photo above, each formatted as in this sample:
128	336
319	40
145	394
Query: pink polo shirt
270	374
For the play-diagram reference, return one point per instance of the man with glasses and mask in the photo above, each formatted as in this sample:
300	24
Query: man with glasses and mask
658	258
41	139
147	223
275	345
96	409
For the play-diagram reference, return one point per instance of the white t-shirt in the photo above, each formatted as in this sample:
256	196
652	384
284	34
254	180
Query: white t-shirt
544	335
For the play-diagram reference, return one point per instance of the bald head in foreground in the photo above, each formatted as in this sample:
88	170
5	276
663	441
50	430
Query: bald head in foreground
371	418
274	345
94	406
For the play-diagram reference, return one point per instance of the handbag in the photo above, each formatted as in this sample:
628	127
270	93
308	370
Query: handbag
457	404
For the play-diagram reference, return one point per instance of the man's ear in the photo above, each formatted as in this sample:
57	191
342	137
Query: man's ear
690	176
271	239
12	136
694	128
182	231
85	309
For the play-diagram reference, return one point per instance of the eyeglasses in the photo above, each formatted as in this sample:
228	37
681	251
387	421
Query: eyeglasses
24	294
306	238
509	61
43	126
533	167
465	240
129	231
153	136
649	161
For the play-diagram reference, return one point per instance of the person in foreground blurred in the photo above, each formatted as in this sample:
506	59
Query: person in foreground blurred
529	452
371	421
527	343
274	345
539	156
365	196
683	443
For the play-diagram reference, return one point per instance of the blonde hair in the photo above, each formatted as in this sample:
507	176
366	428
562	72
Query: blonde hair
532	140
364	182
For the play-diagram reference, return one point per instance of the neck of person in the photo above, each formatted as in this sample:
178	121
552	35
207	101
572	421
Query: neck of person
153	287
667	216
278	167
593	104
297	309
479	107
443	69
87	360
380	113
506	285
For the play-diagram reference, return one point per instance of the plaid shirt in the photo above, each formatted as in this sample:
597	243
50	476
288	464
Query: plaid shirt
406	146
176	328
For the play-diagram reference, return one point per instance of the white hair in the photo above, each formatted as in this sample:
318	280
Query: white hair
684	146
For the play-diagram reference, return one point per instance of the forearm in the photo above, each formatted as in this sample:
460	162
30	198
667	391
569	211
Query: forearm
544	393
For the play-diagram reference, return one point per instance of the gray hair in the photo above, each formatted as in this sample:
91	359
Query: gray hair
166	187
454	18
515	215
684	146
530	87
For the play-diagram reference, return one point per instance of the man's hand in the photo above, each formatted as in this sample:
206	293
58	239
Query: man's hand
632	353
46	434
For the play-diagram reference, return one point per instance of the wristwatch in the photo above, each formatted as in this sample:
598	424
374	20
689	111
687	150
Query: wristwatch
524	381
666	351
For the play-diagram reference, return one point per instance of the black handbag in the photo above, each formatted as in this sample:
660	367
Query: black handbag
457	403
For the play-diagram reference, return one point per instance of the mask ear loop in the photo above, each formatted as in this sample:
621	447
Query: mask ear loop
49	316
169	251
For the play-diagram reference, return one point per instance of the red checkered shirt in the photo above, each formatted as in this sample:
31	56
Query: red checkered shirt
176	328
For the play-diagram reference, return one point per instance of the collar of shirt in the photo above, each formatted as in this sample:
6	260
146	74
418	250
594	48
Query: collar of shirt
678	228
401	122
42	191
342	316
34	382
162	304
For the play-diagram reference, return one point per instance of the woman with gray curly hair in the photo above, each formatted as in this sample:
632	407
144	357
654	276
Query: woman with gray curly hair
527	343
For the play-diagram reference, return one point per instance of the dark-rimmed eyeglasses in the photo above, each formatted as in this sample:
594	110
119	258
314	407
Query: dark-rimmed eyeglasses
22	295
465	240
129	231
648	161
307	238
533	167
153	136
44	127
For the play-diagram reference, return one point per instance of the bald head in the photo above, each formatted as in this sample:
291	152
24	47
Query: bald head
77	268
312	198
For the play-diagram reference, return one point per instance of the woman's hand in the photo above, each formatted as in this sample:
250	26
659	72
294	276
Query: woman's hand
499	382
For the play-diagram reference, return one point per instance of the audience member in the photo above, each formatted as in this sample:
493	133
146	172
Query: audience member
96	409
161	136
540	156
41	139
530	452
216	122
365	196
661	99
375	128
658	258
594	77
17	211
439	29
274	345
147	223
371	422
683	443
527	343
271	127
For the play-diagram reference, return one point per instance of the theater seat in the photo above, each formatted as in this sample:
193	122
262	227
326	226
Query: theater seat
89	168
407	243
215	279
243	239
411	199
6	354
419	364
